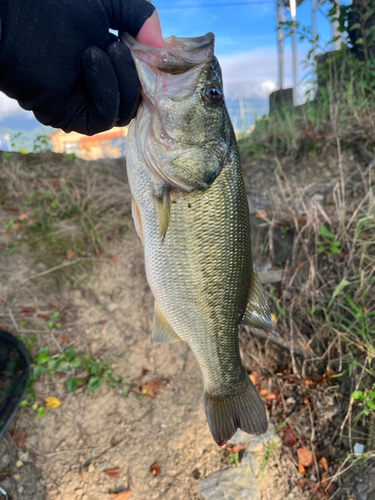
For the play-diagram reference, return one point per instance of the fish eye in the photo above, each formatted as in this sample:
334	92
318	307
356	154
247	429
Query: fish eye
213	92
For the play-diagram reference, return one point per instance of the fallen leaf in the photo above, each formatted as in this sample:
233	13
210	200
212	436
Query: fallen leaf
124	495
31	222
63	338
155	469
28	310
19	437
302	221
274	318
4	475
254	377
22	217
301	469
43	315
19	227
102	322
305	456
16	476
289	438
51	403
306	380
264	394
323	464
261	214
239	447
112	472
56	184
324	479
301	265
330	373
151	388
14	209
320	380
69	255
319	136
113	258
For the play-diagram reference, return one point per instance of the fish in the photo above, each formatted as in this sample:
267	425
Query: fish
191	213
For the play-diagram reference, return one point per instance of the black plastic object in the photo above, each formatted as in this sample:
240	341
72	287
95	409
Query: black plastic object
14	376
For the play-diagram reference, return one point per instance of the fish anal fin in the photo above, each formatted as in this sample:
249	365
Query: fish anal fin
257	313
163	210
162	332
238	408
137	219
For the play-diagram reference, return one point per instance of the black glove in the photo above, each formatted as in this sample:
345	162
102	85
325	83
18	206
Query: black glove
58	59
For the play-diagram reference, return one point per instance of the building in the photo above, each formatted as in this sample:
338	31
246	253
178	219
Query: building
109	144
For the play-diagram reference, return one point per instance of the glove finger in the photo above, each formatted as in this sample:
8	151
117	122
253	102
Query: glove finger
128	15
93	103
128	81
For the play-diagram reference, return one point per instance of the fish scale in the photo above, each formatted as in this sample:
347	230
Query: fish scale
196	240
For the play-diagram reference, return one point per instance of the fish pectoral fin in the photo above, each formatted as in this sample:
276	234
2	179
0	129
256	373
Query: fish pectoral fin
162	332
257	312
163	210
137	219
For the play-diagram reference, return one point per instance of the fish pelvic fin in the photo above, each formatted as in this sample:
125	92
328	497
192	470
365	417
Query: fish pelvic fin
241	408
162	332
257	313
137	219
163	210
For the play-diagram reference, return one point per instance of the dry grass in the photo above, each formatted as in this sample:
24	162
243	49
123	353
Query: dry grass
82	204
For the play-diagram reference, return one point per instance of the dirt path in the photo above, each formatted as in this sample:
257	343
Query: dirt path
109	314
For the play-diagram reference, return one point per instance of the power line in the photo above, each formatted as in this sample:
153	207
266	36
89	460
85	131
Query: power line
214	5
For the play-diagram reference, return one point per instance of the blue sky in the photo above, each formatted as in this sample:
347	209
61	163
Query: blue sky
245	45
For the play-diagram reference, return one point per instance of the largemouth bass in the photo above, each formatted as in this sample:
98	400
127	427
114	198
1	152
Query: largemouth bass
190	210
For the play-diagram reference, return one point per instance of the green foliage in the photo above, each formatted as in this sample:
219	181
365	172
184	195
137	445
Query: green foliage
233	458
327	243
91	373
366	401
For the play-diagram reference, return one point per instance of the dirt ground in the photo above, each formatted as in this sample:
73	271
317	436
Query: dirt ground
107	313
97	445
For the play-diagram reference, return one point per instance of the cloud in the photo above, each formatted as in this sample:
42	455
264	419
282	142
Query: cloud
254	73
10	107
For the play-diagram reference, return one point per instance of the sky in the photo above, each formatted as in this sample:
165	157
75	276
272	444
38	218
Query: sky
245	33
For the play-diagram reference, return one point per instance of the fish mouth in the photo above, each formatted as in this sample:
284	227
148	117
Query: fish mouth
180	54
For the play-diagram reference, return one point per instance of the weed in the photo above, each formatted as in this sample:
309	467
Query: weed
327	244
233	458
366	401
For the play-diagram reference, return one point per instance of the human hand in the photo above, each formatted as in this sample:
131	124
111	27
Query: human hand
58	59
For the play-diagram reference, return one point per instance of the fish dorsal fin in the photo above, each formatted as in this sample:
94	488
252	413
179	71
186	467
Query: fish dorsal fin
163	209
137	219
257	312
162	332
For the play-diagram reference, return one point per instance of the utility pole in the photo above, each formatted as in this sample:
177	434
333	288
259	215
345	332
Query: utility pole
315	77
335	32
280	60
293	9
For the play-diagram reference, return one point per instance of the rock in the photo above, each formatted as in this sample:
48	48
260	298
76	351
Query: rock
24	456
238	483
102	465
112	306
256	444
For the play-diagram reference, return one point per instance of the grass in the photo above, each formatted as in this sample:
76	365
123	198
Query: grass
80	204
325	304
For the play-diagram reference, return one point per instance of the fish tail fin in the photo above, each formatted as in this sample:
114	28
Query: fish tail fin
241	408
